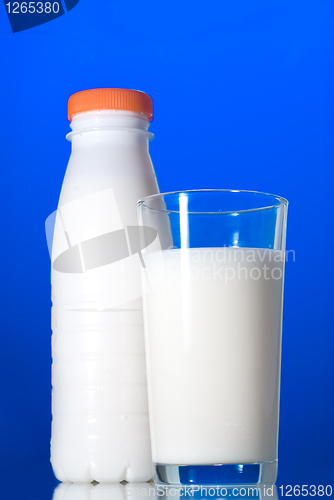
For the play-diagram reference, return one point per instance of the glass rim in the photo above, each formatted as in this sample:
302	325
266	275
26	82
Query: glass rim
280	199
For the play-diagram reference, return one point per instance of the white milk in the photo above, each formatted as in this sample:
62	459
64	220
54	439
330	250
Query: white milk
100	427
213	345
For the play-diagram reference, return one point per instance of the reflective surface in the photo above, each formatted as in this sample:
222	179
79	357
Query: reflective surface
137	491
35	481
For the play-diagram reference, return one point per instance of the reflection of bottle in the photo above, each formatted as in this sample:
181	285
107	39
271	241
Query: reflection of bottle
100	427
105	491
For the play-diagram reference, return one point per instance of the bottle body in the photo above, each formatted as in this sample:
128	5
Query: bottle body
100	428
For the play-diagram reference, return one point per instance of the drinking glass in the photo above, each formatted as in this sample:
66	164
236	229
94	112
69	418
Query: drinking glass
213	296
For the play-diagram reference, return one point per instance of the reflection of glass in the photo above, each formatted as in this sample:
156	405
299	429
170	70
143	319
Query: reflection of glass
213	335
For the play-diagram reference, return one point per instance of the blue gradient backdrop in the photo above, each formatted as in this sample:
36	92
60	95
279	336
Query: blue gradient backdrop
243	98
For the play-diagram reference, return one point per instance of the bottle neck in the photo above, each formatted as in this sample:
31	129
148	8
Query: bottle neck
109	120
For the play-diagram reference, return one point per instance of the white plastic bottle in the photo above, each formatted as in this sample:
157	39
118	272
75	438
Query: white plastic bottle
100	427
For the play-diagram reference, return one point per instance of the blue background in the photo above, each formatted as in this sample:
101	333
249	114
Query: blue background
243	99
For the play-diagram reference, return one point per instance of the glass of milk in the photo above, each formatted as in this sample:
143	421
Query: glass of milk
213	296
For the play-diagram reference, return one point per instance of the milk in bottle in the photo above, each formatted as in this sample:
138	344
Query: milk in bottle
100	428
